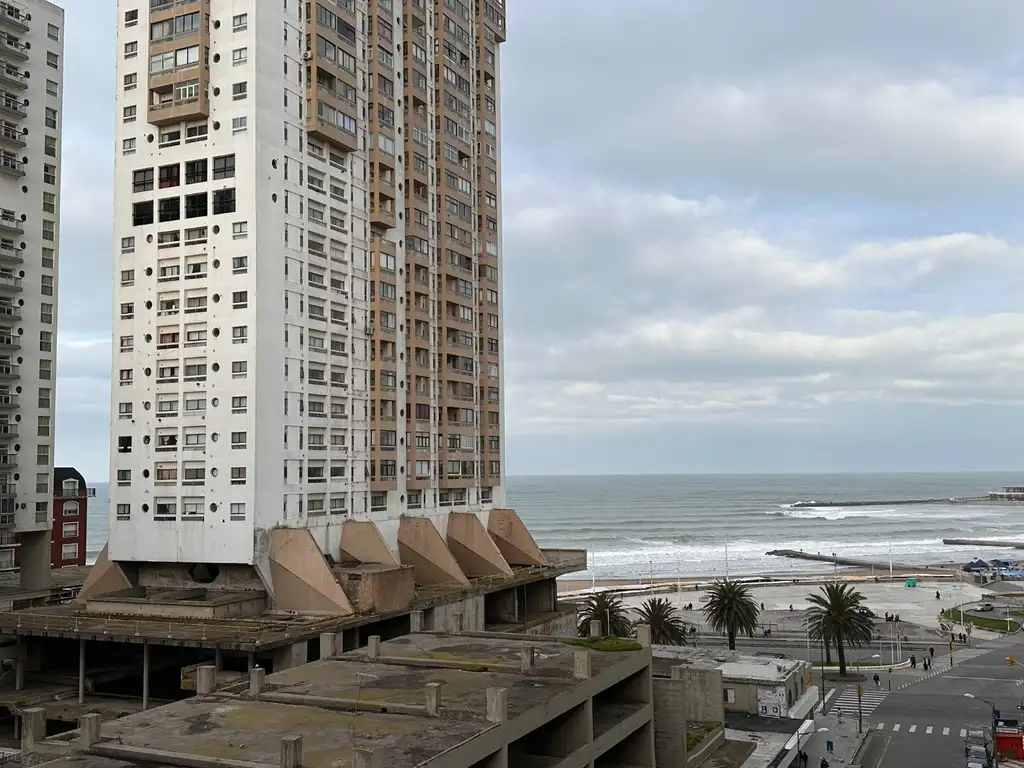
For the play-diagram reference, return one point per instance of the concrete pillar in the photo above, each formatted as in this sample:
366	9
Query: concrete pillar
291	752
373	647
145	675
81	671
581	664
455	625
595	628
328	645
643	635
526	659
433	699
206	679
34	559
88	730
218	658
367	758
251	661
33	728
416	621
257	681
497	705
19	674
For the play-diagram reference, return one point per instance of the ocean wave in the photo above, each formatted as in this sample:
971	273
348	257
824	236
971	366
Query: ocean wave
841	513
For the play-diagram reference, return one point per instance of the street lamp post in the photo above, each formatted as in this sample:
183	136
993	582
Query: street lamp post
860	694
995	752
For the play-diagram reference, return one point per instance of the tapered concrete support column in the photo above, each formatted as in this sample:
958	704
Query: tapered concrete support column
416	621
433	699
367	758
206	679
81	671
291	752
218	659
257	681
527	657
373	647
328	645
497	705
251	662
19	674
145	675
33	728
595	628
581	665
88	730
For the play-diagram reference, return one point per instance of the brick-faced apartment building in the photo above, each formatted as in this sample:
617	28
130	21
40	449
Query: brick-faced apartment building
70	520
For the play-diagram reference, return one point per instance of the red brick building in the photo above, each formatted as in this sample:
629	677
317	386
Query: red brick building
70	517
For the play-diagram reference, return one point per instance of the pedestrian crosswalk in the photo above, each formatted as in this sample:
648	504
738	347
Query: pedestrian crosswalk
926	730
847	701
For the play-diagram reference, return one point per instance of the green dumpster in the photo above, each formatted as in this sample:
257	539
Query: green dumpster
911	582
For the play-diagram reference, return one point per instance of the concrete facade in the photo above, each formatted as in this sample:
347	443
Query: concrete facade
437	700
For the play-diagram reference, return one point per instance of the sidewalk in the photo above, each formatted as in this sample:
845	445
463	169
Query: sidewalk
843	735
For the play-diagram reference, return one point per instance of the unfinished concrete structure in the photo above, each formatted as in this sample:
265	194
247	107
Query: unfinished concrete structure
439	700
131	649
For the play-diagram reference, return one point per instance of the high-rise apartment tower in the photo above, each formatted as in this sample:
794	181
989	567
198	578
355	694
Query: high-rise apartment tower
307	317
31	88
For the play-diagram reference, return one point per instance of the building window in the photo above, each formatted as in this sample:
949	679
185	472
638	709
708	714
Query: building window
45	397
131	81
240	334
42	455
240	230
729	695
224	201
45	370
238	475
239	124
128	114
224	167
53	87
239	404
240	299
49	230
240	22
46	313
69	531
52	60
239	91
131	18
239	369
131	50
237	511
46	285
238	440
46	341
239	56
69	552
49	174
124	512
50	146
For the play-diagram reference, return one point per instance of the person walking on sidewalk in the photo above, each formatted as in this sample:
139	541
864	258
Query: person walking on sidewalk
824	762
878	683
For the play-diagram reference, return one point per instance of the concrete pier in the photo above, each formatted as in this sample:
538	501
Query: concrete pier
983	543
852	562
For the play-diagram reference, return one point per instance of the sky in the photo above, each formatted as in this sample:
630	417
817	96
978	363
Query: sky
739	236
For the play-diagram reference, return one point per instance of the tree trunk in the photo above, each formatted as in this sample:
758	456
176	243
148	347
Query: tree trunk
828	652
842	657
732	639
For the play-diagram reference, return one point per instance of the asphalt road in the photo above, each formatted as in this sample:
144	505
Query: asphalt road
922	724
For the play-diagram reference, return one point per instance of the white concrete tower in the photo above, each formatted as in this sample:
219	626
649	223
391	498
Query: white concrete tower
31	90
291	351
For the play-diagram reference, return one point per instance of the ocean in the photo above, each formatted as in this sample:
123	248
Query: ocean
636	526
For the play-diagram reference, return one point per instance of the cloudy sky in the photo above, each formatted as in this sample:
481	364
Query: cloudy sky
739	236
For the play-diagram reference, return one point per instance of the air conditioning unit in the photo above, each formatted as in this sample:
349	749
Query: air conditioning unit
307	55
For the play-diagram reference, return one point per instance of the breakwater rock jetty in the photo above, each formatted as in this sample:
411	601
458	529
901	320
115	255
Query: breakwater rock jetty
984	543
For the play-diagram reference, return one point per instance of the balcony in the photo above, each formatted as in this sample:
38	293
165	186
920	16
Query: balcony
9	341
7	520
13	16
10	283
10	222
12	107
12	76
12	166
8	431
11	135
9	372
15	49
8	459
9	311
8	401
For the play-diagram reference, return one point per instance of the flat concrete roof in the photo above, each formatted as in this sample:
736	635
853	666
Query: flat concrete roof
353	701
734	665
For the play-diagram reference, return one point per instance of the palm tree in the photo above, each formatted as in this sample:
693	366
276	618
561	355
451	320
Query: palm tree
731	609
607	608
837	614
667	627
